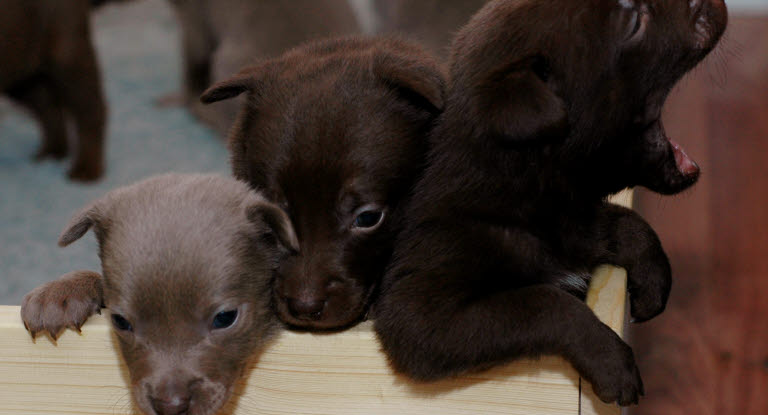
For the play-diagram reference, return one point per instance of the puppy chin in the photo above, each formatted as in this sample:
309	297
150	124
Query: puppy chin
673	171
336	316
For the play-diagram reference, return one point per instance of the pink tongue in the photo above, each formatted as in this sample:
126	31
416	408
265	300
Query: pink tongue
684	163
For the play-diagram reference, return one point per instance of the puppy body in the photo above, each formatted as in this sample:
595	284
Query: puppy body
48	65
335	132
222	36
545	116
187	262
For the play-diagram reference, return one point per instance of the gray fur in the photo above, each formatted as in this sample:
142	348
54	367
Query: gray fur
176	251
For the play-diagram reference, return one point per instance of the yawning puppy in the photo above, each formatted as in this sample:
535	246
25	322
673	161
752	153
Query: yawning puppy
187	262
335	132
552	107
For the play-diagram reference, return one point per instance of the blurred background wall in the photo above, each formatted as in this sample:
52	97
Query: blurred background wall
708	352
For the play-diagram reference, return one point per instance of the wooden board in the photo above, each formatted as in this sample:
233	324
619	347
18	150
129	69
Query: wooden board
302	373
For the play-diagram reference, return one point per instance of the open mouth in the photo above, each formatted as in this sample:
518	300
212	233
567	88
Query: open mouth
685	164
669	169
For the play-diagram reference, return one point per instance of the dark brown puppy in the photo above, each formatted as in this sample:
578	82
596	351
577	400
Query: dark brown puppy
335	132
552	106
48	65
187	263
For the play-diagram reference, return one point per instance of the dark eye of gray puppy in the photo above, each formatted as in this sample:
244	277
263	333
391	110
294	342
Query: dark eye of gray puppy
224	319
121	323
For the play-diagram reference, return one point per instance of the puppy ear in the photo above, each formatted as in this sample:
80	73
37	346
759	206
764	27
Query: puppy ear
518	104
230	88
277	220
78	226
418	81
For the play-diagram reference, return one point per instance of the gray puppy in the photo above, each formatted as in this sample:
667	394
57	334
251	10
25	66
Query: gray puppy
187	266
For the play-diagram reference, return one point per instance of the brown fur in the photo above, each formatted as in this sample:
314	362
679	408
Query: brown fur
432	23
221	36
329	130
176	252
48	65
552	106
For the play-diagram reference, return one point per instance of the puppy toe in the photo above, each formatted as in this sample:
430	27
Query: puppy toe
645	308
85	172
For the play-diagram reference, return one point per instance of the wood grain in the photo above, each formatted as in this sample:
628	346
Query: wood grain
302	373
708	353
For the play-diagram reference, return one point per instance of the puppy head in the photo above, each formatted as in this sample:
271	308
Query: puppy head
335	132
585	81
187	262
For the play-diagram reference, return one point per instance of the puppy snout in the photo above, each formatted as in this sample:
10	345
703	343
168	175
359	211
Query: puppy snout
173	405
309	308
172	397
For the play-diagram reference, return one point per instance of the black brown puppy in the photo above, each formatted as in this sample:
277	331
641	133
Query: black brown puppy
47	64
219	37
335	132
552	106
187	263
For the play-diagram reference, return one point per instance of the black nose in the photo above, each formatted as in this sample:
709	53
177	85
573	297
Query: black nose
174	405
309	308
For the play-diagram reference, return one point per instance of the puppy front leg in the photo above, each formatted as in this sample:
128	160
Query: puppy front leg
627	240
430	335
77	81
65	302
49	113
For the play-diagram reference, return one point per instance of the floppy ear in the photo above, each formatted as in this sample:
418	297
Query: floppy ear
278	222
419	82
230	88
78	225
517	103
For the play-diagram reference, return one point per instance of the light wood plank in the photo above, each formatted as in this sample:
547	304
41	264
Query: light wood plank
302	373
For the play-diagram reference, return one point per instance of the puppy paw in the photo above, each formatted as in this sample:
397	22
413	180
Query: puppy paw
617	378
648	295
646	307
65	302
170	100
85	172
45	152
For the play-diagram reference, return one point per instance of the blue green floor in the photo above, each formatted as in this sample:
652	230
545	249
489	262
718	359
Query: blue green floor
137	44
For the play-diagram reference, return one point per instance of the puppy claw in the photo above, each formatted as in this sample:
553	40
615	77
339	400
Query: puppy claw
63	303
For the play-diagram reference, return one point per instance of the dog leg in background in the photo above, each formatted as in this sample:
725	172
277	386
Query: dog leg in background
76	82
37	97
66	302
197	46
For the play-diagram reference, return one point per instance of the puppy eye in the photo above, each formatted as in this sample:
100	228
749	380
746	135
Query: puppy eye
636	22
368	219
121	323
224	319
